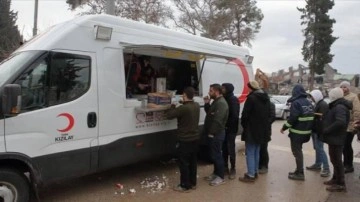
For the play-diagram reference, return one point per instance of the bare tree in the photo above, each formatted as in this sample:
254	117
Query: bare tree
245	23
226	20
200	17
149	11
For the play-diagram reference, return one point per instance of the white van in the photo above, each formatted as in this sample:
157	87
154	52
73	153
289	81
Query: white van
65	110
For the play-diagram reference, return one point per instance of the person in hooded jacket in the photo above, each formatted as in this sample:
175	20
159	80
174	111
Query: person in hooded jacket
255	122
231	129
321	108
264	154
300	124
336	122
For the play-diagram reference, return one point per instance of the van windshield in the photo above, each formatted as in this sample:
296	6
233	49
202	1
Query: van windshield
14	63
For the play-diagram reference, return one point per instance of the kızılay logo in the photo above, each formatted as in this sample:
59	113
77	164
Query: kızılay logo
70	124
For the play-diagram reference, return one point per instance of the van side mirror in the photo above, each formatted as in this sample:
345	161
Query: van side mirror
11	99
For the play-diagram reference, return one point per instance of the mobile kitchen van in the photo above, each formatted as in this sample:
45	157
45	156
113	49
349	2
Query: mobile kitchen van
65	110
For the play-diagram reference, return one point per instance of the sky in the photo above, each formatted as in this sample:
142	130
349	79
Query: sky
277	45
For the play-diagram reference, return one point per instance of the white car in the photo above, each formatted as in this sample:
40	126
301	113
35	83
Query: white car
282	107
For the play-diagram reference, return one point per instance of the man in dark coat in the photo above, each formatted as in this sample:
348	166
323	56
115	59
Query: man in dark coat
299	123
264	154
255	122
231	129
336	122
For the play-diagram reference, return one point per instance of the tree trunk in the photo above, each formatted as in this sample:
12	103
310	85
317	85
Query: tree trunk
312	79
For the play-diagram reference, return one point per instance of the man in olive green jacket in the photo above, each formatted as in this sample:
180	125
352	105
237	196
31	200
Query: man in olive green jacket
188	137
215	121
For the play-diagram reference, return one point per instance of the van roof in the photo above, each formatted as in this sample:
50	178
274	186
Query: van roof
67	34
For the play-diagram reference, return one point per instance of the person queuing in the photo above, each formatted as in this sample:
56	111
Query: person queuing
357	127
354	115
255	122
215	121
321	108
299	124
231	129
336	122
264	154
188	137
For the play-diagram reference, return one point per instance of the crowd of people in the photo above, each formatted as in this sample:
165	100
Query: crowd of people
334	123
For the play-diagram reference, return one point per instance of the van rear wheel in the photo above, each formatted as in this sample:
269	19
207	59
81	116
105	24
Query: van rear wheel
13	186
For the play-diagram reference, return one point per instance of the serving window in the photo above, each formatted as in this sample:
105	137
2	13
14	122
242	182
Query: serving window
154	73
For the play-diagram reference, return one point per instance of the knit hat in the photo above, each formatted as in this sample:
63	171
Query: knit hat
335	94
345	84
254	85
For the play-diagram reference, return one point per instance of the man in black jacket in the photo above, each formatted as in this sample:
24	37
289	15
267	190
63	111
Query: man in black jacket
264	154
336	122
255	121
231	129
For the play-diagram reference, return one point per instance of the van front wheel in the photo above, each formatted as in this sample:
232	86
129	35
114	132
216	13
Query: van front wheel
13	186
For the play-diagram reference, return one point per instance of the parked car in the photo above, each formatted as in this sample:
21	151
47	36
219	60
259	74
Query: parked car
282	107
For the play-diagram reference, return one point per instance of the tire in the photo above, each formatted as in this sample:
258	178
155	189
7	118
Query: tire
16	182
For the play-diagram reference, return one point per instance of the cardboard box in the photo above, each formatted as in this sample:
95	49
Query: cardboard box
159	99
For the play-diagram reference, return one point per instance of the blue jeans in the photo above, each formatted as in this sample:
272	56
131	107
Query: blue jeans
321	158
216	153
252	158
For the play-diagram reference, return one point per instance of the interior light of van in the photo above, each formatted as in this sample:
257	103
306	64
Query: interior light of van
102	32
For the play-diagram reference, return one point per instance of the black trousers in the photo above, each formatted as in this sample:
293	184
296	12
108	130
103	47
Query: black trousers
228	150
296	147
348	150
335	153
264	156
187	155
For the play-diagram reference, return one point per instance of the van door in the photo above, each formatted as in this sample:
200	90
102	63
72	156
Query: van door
58	119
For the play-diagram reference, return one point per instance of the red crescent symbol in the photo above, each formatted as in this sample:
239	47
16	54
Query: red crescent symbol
71	122
245	74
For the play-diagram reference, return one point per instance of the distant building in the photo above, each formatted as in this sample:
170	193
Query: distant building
282	81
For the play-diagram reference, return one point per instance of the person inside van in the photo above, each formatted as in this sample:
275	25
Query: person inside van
133	73
147	75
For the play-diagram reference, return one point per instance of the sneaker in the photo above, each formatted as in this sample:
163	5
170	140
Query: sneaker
232	174
263	170
330	182
193	187
217	181
313	167
179	188
293	173
336	188
247	178
296	176
210	177
325	173
349	169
